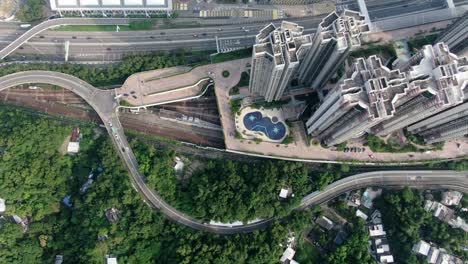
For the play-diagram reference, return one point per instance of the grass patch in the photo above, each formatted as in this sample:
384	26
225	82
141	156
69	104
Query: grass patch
270	105
372	49
235	106
234	90
376	144
225	73
288	140
124	102
93	28
415	44
233	55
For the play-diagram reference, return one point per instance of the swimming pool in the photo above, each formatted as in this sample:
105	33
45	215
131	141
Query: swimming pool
273	129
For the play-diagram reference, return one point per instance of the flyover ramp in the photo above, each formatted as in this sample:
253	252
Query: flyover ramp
58	22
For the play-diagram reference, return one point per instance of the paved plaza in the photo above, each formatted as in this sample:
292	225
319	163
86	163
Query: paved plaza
302	151
178	83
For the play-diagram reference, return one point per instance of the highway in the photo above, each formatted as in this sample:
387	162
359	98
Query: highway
106	106
109	45
108	42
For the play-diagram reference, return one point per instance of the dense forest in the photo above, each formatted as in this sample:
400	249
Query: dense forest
407	222
38	176
225	190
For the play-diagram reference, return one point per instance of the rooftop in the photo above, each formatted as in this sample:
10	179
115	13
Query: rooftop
283	44
345	29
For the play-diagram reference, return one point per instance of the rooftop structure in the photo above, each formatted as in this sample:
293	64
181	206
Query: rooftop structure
369	195
450	198
376	217
436	80
74	143
112	215
433	255
376	230
275	59
111	260
336	36
58	259
386	259
358	103
354	199
422	248
361	214
288	254
2	206
111	5
284	193
446	214
324	222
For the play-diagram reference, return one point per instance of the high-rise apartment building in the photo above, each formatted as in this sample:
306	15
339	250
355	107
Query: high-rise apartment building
275	59
336	36
437	79
358	103
456	34
379	100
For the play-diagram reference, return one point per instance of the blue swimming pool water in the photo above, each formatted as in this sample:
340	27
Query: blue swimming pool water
255	121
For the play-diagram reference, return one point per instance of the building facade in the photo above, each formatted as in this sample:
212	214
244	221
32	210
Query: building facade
456	34
437	79
275	59
336	36
378	100
358	103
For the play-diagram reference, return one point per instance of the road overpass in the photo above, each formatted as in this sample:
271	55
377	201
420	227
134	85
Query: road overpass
105	105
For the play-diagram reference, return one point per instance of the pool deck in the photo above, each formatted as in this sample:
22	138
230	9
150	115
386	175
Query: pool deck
249	134
301	150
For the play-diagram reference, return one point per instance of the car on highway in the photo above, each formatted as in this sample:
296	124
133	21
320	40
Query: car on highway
195	35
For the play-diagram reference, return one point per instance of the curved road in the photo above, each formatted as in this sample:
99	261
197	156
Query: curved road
58	22
105	105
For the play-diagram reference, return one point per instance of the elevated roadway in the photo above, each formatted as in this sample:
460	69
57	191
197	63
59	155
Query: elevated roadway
105	105
188	37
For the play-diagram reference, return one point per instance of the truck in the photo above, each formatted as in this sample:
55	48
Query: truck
25	25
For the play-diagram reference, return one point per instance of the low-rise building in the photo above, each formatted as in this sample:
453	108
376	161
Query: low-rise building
386	259
445	214
324	222
361	214
369	195
74	143
422	248
434	255
376	230
376	217
284	193
288	255
112	215
111	260
2	206
354	199
451	198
